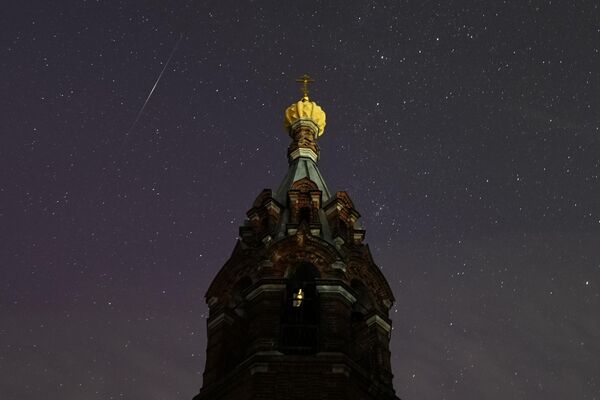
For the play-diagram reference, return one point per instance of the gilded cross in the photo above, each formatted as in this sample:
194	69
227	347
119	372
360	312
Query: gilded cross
305	80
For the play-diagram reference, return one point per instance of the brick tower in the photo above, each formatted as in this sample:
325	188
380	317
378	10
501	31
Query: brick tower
300	310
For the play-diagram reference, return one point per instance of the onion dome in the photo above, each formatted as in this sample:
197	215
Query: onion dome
305	113
305	122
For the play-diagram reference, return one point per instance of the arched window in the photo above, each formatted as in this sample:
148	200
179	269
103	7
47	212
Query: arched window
300	319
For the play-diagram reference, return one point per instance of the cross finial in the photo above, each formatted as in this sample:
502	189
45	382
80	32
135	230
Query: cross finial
305	80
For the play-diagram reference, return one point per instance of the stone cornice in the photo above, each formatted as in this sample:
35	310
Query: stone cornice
217	320
376	319
265	287
337	289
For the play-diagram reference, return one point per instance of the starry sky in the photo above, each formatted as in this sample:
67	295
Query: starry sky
467	134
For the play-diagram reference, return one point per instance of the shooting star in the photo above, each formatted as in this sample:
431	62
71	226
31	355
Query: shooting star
139	114
104	181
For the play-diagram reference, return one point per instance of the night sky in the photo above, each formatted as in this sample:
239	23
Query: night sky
466	133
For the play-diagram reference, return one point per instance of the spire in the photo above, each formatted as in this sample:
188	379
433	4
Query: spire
305	122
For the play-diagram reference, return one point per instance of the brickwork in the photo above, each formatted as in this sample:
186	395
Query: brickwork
327	376
335	344
300	310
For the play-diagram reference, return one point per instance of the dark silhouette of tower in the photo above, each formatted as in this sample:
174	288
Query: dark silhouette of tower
300	310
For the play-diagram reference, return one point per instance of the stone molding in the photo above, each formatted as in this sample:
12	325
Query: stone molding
304	152
222	317
337	289
266	287
376	319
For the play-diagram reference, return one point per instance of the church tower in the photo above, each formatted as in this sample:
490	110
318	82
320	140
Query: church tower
300	310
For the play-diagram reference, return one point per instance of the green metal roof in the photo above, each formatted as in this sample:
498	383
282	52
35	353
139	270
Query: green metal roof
302	167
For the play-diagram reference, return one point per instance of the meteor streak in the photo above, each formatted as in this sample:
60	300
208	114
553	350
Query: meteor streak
139	114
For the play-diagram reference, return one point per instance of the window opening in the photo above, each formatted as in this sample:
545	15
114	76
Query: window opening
300	320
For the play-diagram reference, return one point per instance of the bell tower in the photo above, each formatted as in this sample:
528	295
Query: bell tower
300	310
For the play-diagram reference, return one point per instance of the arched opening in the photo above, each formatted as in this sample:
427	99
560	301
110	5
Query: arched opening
300	319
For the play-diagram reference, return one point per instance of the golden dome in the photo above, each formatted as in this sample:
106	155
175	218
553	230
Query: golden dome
305	113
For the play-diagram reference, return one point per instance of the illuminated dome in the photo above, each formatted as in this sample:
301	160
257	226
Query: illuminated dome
305	113
304	122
